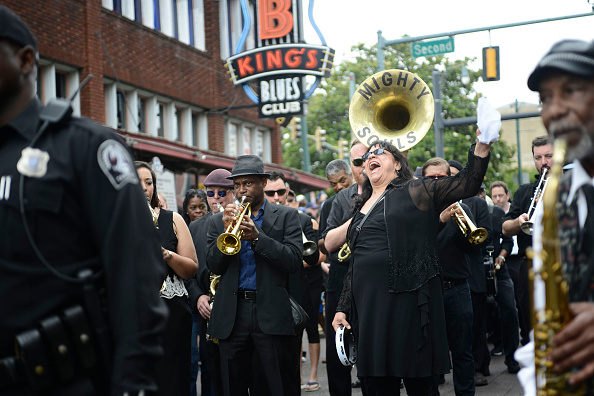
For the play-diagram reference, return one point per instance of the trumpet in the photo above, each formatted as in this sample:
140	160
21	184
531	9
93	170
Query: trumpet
528	226
474	234
229	242
309	247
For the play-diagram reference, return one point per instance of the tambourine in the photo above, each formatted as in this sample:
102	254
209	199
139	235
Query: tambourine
346	347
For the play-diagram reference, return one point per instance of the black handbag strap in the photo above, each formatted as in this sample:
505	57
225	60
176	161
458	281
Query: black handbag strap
358	228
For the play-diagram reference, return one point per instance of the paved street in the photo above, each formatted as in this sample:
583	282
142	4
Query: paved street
500	381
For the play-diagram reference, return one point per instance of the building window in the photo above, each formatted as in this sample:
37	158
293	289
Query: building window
195	129
57	81
247	140
232	148
61	85
231	25
141	114
177	124
180	19
160	118
121	109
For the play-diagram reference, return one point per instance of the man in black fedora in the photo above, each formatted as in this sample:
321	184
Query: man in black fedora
252	313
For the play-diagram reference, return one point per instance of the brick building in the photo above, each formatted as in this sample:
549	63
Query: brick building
158	79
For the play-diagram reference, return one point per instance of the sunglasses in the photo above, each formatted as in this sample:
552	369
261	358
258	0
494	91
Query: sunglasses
221	194
358	161
378	151
436	177
289	200
271	193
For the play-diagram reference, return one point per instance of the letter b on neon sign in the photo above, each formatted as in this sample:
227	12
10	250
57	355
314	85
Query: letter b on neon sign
275	18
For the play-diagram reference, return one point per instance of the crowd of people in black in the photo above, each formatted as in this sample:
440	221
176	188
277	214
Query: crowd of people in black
420	268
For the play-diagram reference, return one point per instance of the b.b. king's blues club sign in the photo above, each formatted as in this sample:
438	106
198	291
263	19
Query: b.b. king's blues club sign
272	74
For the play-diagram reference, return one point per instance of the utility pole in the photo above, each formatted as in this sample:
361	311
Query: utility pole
519	149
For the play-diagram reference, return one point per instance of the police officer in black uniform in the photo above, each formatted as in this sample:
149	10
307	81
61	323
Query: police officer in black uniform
80	263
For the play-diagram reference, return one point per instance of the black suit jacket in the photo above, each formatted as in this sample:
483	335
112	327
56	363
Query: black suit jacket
480	210
277	254
199	284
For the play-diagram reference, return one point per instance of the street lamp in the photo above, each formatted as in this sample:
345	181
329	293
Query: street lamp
438	124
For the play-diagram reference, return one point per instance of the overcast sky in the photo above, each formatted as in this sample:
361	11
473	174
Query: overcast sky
344	23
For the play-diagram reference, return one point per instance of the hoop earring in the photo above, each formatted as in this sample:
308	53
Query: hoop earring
398	172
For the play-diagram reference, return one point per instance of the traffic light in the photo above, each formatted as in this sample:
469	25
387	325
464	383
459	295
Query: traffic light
295	126
491	64
319	138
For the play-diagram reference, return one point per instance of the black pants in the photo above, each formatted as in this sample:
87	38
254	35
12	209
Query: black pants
339	376
480	349
518	271
247	339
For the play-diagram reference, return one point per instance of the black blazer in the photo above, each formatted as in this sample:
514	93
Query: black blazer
277	254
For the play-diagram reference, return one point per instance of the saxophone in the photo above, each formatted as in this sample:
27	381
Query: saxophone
214	283
549	319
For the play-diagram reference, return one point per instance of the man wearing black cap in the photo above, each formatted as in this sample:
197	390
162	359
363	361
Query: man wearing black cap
252	311
542	151
77	242
564	77
219	194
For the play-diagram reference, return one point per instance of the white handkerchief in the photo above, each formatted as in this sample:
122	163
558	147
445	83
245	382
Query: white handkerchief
488	121
525	356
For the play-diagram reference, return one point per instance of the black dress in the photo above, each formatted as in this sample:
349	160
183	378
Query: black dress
389	329
173	371
392	292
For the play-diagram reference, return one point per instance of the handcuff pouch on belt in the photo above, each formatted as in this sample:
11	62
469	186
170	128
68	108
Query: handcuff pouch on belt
66	345
57	350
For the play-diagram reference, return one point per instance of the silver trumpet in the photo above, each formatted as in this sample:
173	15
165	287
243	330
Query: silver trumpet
528	226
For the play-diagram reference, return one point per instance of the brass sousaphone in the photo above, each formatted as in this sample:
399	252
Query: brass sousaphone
392	105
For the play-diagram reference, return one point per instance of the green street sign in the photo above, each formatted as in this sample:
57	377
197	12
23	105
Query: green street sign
430	48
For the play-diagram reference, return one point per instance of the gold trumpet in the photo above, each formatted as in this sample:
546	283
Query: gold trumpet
229	242
474	234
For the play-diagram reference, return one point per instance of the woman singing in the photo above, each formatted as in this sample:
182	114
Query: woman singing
179	254
392	292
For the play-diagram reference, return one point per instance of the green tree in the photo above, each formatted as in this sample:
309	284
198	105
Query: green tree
329	109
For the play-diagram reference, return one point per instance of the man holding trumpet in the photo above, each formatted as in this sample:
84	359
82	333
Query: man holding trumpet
252	312
542	150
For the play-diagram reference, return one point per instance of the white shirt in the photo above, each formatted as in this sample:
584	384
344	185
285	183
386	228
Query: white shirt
579	177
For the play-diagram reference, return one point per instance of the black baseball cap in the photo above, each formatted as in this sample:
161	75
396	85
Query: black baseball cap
14	29
571	56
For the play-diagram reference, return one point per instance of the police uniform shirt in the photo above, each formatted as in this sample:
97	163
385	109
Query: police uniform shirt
85	209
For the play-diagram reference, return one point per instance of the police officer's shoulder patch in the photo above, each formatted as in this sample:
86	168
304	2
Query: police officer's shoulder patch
116	163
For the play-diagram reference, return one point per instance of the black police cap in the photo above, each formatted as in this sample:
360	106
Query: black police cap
571	56
14	29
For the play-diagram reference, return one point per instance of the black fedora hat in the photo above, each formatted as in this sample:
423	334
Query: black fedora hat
248	165
571	56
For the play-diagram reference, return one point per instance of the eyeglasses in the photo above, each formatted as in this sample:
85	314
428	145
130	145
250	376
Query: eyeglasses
436	177
378	151
280	192
358	161
221	194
